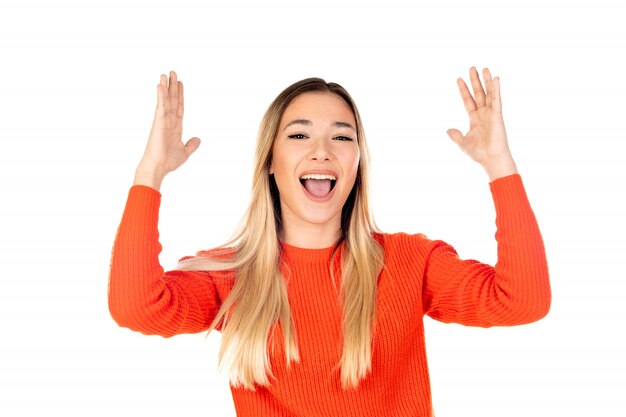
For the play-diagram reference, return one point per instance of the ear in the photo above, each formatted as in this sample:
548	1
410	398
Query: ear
271	168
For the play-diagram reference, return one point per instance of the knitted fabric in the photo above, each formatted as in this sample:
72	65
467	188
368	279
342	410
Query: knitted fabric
421	277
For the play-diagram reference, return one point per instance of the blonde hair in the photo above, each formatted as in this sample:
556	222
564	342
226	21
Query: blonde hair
258	299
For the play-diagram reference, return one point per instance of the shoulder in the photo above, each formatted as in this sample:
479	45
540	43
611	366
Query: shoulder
407	245
219	253
216	263
403	241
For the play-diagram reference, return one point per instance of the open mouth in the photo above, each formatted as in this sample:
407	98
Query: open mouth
318	185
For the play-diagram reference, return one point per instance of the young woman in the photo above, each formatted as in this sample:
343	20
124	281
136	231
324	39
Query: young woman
320	312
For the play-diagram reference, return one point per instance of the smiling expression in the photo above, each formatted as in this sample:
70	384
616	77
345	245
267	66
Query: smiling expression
316	138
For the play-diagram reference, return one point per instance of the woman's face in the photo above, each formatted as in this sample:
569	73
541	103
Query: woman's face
315	159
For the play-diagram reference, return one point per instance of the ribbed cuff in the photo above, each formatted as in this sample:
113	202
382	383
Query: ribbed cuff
144	188
509	192
142	206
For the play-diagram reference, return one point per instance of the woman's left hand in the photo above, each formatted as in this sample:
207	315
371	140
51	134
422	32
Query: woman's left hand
486	141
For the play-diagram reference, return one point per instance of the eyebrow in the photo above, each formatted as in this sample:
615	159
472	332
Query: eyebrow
309	123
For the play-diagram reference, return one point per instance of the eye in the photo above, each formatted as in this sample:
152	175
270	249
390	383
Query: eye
343	138
297	136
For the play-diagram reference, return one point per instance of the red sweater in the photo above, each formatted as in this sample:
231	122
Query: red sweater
421	277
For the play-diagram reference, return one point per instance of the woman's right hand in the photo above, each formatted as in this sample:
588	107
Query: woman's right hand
165	150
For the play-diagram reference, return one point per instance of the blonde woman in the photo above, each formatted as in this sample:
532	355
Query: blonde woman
320	312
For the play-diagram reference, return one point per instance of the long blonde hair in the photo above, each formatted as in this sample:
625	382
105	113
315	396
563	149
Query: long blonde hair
258	299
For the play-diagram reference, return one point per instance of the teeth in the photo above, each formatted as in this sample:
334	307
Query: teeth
318	177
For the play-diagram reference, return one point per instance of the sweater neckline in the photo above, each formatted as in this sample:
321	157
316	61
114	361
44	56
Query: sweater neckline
307	254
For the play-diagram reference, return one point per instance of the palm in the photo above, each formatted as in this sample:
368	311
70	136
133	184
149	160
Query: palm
165	150
486	139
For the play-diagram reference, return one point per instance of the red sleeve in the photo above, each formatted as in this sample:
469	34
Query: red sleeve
515	291
144	298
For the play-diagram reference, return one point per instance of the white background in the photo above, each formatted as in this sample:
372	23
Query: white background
77	96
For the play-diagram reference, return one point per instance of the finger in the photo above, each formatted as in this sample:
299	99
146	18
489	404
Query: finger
160	94
165	103
181	100
479	93
496	101
468	101
173	92
489	86
455	135
191	145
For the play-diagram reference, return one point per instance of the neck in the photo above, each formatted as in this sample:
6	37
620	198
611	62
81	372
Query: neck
308	235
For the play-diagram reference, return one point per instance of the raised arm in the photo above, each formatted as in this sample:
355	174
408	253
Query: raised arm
144	298
514	291
141	295
517	289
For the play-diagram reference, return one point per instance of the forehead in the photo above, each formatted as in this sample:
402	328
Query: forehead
318	107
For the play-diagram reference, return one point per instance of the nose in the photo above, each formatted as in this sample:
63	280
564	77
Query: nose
320	150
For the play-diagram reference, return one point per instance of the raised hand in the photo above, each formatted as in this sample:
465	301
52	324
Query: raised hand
486	141
165	150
